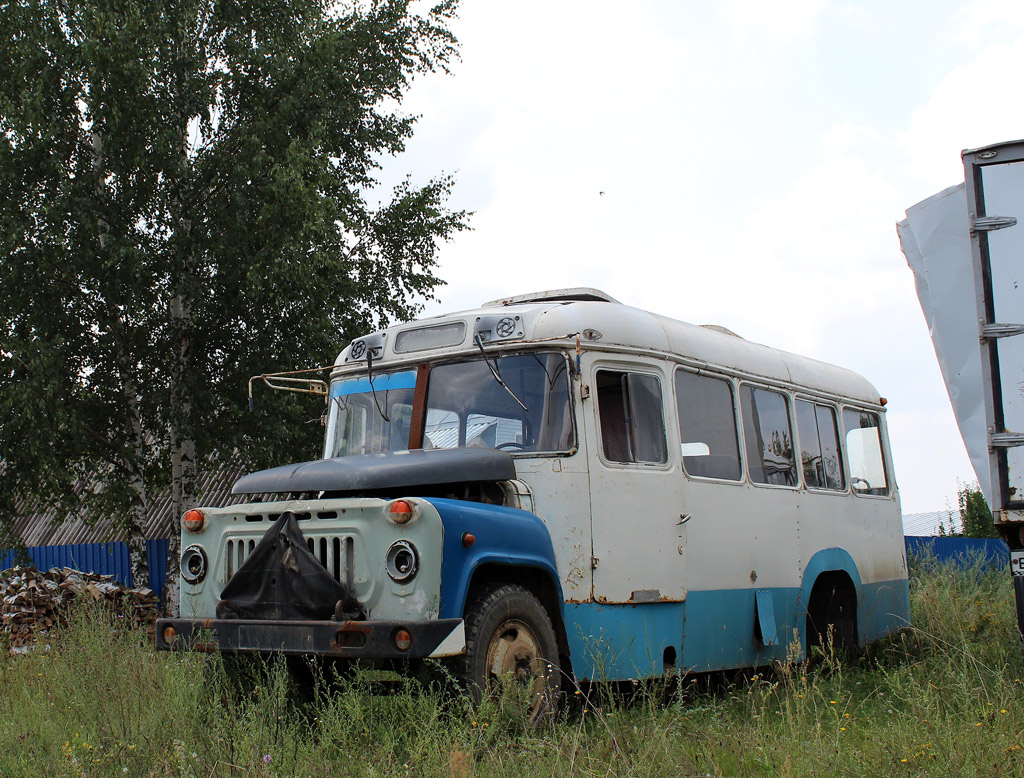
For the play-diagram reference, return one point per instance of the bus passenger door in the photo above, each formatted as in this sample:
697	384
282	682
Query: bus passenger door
637	510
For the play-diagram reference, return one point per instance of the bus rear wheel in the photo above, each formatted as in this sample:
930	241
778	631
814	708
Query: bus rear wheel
832	617
510	645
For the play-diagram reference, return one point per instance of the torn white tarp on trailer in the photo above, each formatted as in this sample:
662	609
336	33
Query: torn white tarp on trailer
936	241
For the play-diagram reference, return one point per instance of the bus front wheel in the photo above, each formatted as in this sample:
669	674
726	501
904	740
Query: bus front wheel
511	648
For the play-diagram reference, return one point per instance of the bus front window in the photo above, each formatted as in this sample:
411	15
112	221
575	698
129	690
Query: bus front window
468	406
367	420
528	410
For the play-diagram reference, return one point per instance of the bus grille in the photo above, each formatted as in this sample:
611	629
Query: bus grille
337	554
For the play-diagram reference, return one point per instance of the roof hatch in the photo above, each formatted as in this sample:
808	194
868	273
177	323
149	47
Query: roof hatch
577	294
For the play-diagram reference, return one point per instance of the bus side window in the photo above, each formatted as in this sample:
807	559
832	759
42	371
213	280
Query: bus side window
707	426
864	452
819	446
768	436
632	419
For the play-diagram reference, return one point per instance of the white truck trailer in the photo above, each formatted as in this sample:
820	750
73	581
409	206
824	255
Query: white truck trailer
965	246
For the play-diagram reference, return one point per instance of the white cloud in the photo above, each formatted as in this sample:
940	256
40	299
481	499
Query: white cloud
847	138
826	238
978	23
974	105
782	21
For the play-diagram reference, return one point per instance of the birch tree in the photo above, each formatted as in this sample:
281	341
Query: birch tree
188	197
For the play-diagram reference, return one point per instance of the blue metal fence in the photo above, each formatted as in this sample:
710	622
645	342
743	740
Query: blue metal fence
103	558
156	551
960	550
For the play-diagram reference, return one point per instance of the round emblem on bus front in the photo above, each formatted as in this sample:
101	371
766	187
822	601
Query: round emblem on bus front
357	350
506	327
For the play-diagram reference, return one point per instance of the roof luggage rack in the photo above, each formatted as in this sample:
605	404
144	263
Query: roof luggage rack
577	294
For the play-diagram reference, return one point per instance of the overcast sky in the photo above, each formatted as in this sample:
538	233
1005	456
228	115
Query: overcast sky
740	163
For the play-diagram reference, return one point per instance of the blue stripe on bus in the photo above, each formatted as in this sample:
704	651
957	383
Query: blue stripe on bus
619	642
719	629
382	383
616	642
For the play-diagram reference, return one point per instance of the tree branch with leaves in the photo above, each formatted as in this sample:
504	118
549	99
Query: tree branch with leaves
185	191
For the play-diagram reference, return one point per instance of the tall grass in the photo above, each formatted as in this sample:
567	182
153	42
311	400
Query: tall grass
944	698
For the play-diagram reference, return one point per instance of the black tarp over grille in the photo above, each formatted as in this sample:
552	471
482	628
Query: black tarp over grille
282	579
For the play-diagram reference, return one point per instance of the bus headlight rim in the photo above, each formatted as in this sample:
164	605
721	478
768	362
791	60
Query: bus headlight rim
194	564
402	561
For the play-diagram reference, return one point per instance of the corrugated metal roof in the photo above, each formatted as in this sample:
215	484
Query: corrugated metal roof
39	525
928	523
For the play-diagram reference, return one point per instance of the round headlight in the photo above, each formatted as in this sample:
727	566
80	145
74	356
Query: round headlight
402	561
193	564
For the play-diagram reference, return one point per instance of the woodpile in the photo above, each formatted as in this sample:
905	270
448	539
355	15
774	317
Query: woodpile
33	602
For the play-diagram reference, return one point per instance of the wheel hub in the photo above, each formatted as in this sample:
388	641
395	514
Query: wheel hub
515	651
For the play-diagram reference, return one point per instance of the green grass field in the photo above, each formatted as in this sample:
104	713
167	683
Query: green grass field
945	698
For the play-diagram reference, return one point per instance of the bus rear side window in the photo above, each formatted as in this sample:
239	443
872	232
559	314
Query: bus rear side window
632	420
707	426
768	437
819	446
864	452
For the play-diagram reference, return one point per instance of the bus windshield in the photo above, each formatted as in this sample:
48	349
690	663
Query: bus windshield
528	410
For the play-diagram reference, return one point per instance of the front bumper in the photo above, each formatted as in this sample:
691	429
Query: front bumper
345	639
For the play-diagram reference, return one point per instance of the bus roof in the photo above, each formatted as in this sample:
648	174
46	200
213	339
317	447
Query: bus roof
607	325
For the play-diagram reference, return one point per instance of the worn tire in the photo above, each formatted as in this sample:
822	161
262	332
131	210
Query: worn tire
832	621
508	632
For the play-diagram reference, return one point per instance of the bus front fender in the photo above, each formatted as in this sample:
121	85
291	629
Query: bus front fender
478	535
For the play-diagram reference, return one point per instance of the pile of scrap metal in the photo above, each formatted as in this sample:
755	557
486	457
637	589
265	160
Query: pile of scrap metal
33	602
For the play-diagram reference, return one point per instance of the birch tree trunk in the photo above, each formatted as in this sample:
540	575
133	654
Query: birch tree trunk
135	455
181	432
183	450
133	452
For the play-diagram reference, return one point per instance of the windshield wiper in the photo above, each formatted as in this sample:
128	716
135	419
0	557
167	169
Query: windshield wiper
369	375
497	376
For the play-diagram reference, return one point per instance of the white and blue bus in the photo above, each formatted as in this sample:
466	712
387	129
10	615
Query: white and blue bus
558	485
